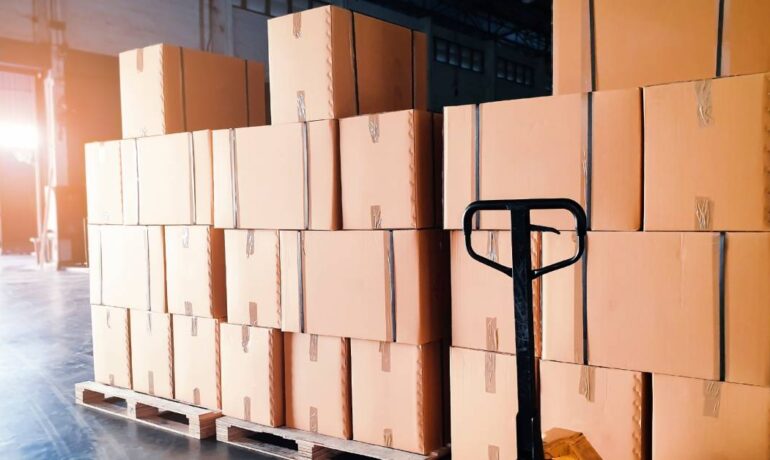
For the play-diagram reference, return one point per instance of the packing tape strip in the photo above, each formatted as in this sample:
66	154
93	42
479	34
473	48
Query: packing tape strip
375	216
703	213
245	336
253	313
313	419
149	323
197	396
586	384
249	243
390	286
703	102
140	60
234	176
301	107
712	398
384	356
188	308
490	377
150	382
374	128
313	352
296	25
247	408
492	334
193	326
387	437
493	248
493	452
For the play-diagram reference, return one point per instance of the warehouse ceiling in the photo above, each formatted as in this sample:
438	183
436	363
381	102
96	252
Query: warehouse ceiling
525	24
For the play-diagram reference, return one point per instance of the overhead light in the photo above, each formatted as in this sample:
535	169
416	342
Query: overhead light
18	136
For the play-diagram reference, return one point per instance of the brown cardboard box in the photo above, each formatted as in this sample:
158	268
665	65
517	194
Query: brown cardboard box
705	155
103	183
562	301
633	37
196	361
127	266
278	177
387	170
320	69
317	378
653	292
484	402
167	89
482	298
397	395
112	350
156	180
705	419
253	277
608	406
537	147
252	373
152	354
373	285
195	271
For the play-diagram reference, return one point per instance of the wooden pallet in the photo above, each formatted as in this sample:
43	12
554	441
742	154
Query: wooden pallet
291	444
156	412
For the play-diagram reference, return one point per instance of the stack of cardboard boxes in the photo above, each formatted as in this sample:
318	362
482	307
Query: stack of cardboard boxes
657	344
157	263
298	264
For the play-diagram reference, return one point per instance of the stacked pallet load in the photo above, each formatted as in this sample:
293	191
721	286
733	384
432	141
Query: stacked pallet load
156	261
657	344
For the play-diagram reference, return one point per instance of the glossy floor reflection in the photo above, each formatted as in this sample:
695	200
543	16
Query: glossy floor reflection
45	348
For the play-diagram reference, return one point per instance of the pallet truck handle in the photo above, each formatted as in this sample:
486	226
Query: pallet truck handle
527	205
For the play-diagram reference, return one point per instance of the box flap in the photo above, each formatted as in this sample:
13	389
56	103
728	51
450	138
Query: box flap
152	353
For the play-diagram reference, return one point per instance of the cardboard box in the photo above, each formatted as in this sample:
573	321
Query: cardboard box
705	419
705	155
397	395
195	271
484	402
111	341
373	285
482	298
167	89
152	353
317	379
104	192
387	170
610	407
252	374
632	38
538	148
196	361
278	177
649	293
127	266
253	260
157	180
328	63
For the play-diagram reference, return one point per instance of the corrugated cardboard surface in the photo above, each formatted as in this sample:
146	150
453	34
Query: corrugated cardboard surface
111	340
484	404
152	355
747	302
702	419
482	298
103	183
606	405
317	382
196	361
387	170
397	395
127	266
174	181
380	75
278	177
562	301
166	89
632	38
653	302
253	277
746	37
195	271
705	155
350	287
252	373
538	147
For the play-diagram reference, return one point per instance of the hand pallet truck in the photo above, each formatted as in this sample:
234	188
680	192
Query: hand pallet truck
528	430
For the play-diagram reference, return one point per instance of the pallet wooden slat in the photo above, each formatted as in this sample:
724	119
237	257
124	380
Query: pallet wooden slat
148	410
310	446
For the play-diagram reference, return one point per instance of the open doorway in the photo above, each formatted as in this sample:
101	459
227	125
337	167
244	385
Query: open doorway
20	140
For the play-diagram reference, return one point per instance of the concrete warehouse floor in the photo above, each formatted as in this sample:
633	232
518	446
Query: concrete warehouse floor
45	348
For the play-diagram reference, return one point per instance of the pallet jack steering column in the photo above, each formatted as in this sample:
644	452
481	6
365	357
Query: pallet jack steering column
529	442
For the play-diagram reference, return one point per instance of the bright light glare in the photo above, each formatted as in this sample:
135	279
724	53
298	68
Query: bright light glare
18	136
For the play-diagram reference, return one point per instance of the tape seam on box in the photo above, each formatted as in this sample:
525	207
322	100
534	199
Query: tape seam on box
384	356
490	372
136	181
271	376
390	286
712	398
193	197
492	334
245	337
253	318
589	159
234	177
313	422
217	363
182	89
592	43
296	26
305	177
412	168
278	278
247	408
720	37
721	304
355	62
703	213
301	279
587	382
584	309
703	102
313	350
149	267
150	382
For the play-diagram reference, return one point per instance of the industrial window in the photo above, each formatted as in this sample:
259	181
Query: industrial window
275	8
521	74
454	54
